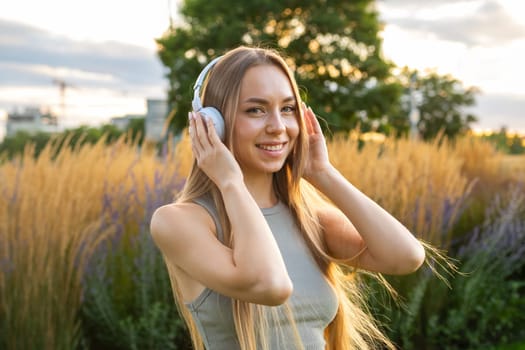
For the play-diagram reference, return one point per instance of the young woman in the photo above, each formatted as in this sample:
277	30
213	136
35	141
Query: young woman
257	240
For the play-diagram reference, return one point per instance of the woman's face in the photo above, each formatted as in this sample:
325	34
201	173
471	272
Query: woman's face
266	124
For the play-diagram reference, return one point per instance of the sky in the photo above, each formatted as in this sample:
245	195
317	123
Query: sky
104	51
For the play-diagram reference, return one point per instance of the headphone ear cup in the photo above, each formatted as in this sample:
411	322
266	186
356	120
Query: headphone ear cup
216	117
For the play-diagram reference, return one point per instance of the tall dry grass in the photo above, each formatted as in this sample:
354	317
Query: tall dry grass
482	161
422	184
514	166
51	220
434	188
52	213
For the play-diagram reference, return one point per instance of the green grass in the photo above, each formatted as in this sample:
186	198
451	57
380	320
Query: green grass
515	346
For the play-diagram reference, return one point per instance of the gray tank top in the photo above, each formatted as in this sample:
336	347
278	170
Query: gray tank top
313	302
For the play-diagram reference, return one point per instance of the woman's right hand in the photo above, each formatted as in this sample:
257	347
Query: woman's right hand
212	155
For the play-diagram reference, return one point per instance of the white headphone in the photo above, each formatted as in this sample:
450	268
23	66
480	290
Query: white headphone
207	112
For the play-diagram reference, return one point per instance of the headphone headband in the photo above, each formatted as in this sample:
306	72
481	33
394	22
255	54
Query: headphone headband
196	102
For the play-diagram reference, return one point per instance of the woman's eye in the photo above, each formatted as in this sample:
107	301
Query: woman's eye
255	110
289	109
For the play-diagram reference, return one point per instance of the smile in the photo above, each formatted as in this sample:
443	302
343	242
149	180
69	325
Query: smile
272	147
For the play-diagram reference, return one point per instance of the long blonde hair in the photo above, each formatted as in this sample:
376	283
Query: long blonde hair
352	327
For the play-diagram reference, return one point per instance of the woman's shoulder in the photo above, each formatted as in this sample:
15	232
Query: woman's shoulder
172	221
173	211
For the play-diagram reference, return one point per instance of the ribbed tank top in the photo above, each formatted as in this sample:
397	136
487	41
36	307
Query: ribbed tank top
313	301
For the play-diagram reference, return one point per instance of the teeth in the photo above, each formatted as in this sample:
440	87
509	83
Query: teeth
271	147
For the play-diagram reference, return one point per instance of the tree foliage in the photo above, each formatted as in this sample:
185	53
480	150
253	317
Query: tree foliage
507	142
14	145
439	102
333	46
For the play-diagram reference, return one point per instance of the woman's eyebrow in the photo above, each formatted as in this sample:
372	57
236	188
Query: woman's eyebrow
256	100
264	101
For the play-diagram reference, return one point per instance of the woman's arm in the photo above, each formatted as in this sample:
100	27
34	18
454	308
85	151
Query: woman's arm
253	270
360	227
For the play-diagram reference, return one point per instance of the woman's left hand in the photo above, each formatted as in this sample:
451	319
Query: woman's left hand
318	159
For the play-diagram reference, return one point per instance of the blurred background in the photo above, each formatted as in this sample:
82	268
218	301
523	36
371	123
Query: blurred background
87	62
421	101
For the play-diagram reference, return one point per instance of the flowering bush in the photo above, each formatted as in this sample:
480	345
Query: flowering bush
78	268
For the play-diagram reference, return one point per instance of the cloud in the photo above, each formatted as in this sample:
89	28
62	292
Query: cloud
489	25
496	110
31	55
419	3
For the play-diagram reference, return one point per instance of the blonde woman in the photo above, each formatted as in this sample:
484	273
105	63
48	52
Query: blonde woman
258	238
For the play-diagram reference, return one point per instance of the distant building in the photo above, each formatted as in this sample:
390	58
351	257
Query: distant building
122	122
154	121
157	111
31	120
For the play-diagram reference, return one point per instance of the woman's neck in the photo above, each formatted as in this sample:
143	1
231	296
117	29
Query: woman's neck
261	189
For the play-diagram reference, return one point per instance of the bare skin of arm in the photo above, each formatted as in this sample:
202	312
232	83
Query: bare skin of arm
253	270
359	231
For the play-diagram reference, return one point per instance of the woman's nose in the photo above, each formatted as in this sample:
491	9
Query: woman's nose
275	122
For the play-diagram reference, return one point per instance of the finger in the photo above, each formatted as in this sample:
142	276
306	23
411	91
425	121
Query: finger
212	133
311	126
303	106
308	119
195	144
314	123
200	131
190	128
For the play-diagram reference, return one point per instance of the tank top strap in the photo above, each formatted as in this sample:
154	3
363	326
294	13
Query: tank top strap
206	202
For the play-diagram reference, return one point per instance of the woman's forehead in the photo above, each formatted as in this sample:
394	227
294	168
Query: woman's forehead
267	81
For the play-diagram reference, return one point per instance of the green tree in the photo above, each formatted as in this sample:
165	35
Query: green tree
137	129
439	101
507	142
516	145
499	139
15	144
89	134
333	47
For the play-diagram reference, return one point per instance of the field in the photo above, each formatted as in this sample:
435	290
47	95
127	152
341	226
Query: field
513	165
78	268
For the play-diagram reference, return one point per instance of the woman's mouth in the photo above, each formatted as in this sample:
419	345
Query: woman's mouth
271	147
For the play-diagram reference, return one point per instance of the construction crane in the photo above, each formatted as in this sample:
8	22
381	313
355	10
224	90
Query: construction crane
62	86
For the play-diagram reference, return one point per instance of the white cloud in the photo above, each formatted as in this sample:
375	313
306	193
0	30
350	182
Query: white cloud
107	50
103	78
37	56
498	110
82	106
495	71
480	42
485	23
133	22
55	72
